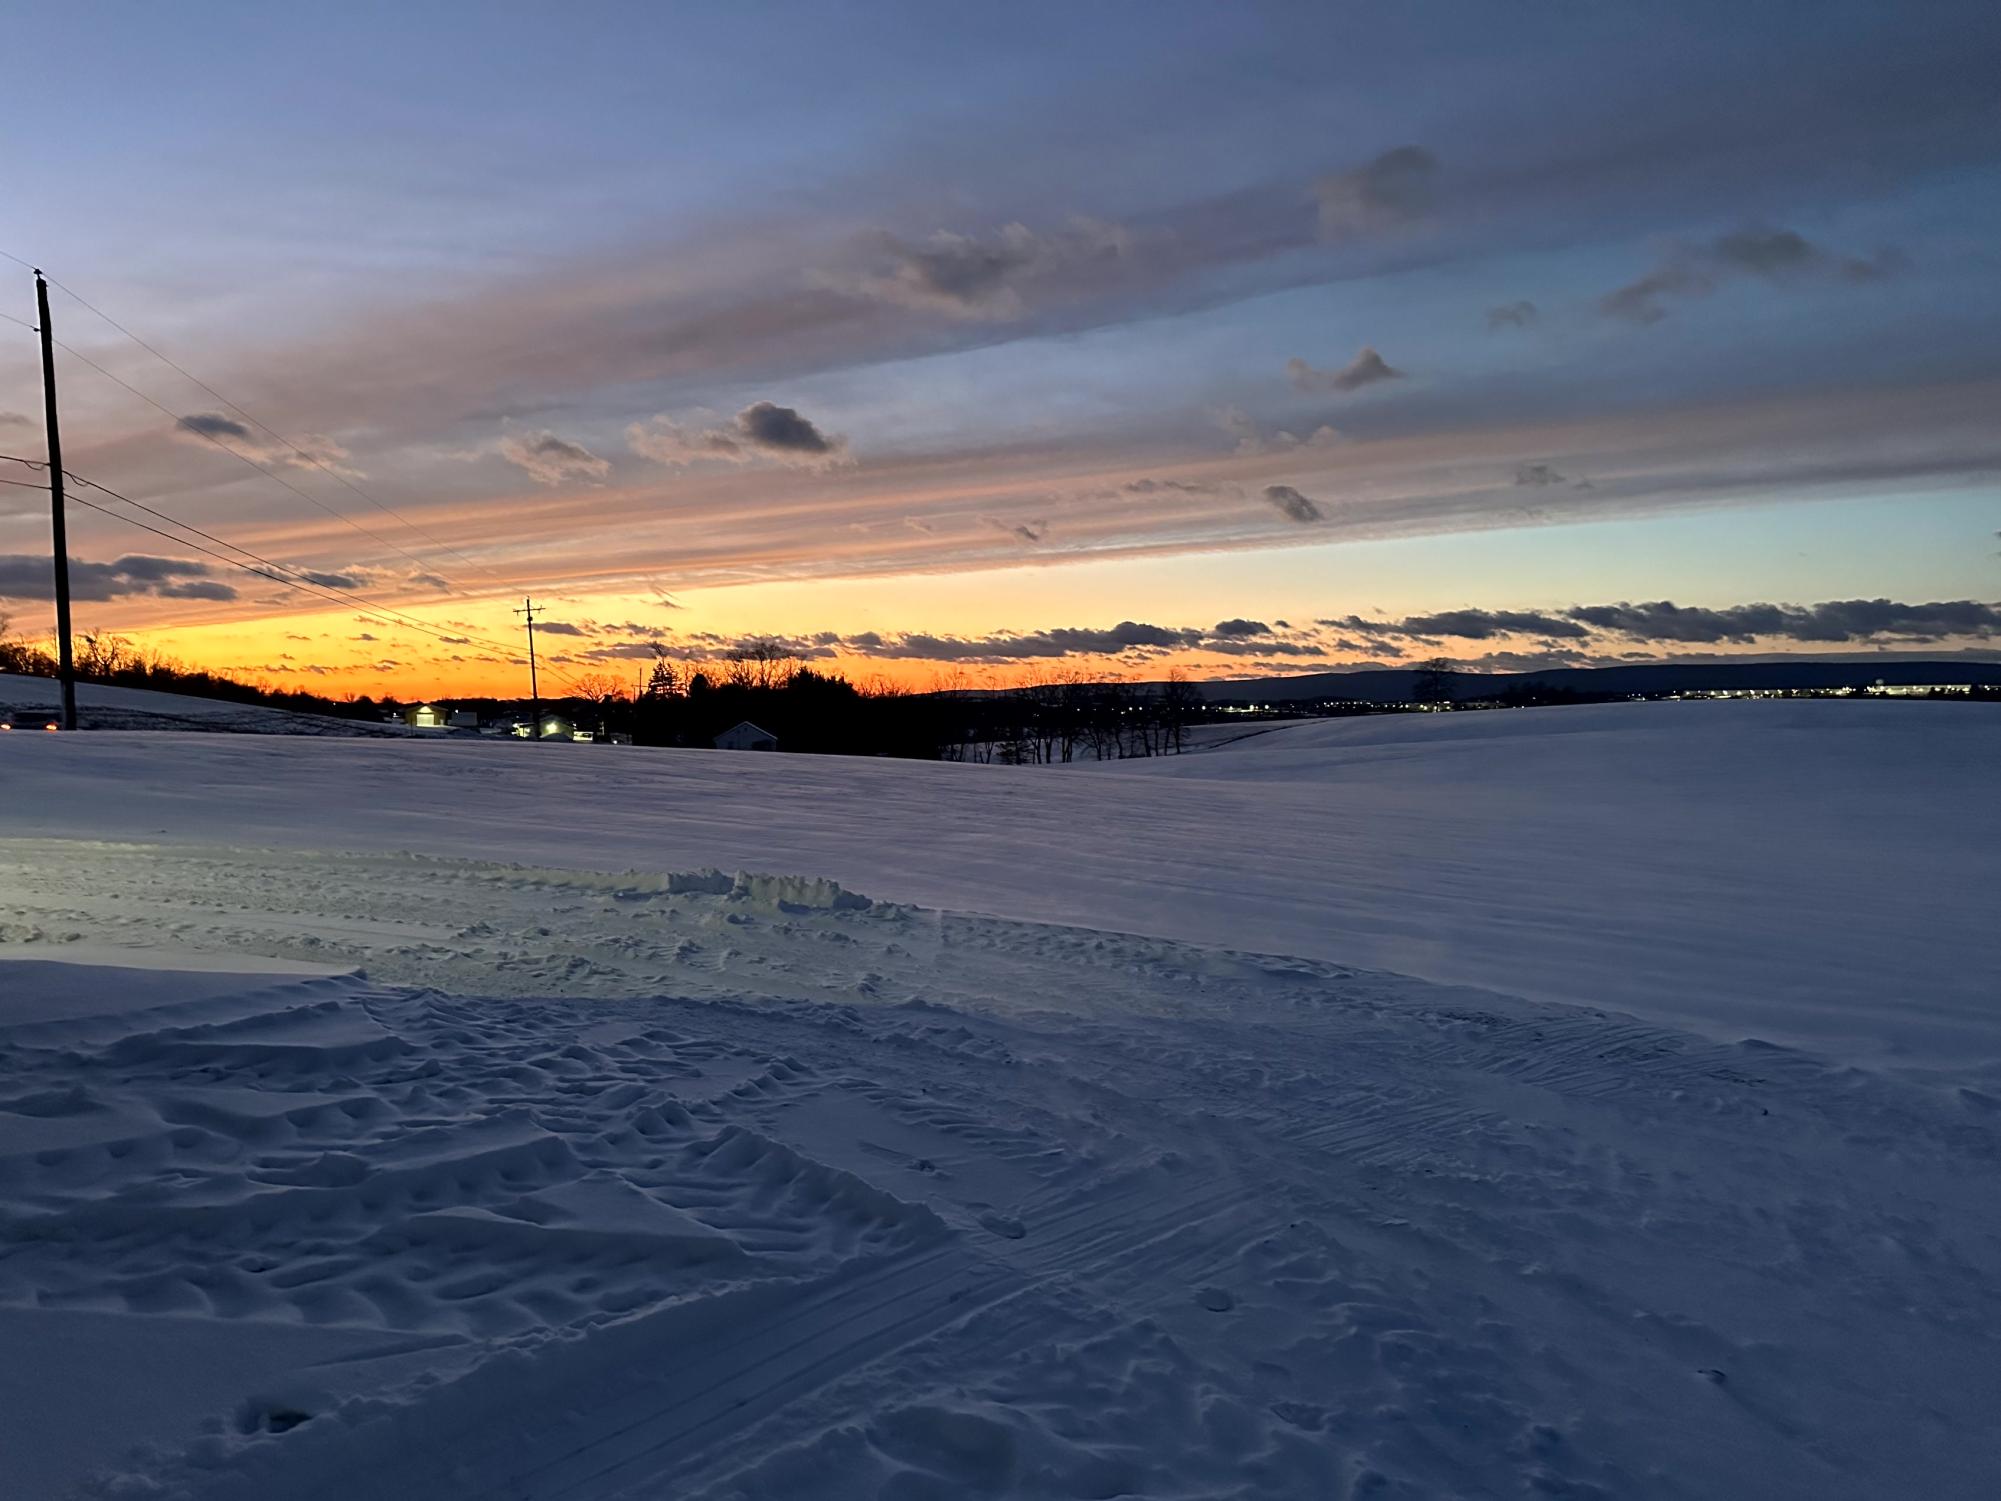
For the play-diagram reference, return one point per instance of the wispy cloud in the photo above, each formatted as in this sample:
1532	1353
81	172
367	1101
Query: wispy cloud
1774	255
1395	189
550	460
1365	369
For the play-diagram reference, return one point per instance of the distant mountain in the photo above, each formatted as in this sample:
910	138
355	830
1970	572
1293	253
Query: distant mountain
1394	685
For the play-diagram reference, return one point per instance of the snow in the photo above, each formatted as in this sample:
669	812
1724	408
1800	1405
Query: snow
1815	872
1031	1132
30	703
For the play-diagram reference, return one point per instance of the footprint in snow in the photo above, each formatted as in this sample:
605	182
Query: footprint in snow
1216	1299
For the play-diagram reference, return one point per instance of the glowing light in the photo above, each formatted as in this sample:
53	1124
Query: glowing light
51	726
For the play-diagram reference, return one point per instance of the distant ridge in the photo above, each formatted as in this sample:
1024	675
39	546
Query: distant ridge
1394	685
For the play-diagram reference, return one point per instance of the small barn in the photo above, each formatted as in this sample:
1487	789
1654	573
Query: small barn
746	736
424	717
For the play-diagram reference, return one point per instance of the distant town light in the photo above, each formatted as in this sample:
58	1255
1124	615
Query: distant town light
51	726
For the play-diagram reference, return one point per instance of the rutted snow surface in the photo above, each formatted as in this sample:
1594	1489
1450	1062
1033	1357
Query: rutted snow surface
710	1186
1820	873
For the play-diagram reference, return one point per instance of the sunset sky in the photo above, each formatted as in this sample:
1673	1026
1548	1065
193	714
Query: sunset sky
932	338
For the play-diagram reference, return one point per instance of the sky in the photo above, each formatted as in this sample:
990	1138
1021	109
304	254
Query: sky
946	343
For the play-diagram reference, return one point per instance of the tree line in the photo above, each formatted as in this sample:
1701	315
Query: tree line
1049	719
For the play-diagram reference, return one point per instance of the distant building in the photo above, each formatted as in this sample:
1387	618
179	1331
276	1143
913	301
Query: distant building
552	727
463	719
424	717
746	736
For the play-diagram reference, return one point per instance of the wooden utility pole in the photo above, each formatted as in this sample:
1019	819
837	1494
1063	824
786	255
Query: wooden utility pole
534	693
65	668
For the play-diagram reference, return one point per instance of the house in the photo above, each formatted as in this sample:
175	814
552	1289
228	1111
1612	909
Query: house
746	736
553	727
424	717
463	719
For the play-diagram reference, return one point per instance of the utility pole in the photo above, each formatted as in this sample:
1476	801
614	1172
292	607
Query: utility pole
534	693
65	668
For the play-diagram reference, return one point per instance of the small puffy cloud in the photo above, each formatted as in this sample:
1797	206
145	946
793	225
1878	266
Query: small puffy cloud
1365	369
1512	315
973	278
1291	504
1253	439
15	419
1396	188
1240	628
1781	256
213	425
560	628
29	576
1024	531
550	460
1540	475
763	430
348	580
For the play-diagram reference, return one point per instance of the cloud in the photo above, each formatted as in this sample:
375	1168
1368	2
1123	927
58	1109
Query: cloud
1292	505
560	628
1396	188
1479	625
1539	475
1128	637
1833	620
29	576
1253	439
1665	623
1026	531
351	580
972	278
1365	369
308	451
1512	315
550	460
762	430
1166	487
213	425
15	419
1781	256
1240	628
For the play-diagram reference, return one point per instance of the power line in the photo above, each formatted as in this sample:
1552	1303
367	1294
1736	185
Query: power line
244	458
366	610
270	432
287	574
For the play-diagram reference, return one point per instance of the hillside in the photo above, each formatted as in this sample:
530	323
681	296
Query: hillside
1395	685
29	703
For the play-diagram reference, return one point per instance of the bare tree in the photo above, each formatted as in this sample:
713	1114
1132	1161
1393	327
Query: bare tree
1433	682
1180	701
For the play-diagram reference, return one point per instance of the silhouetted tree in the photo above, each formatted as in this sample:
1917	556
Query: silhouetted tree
1433	682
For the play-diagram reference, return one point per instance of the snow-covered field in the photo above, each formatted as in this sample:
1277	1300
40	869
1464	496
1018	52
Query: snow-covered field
1098	1155
30	703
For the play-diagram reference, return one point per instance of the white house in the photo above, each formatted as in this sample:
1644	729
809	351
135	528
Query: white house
746	736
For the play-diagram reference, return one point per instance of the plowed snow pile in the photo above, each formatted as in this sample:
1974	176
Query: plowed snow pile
525	1167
